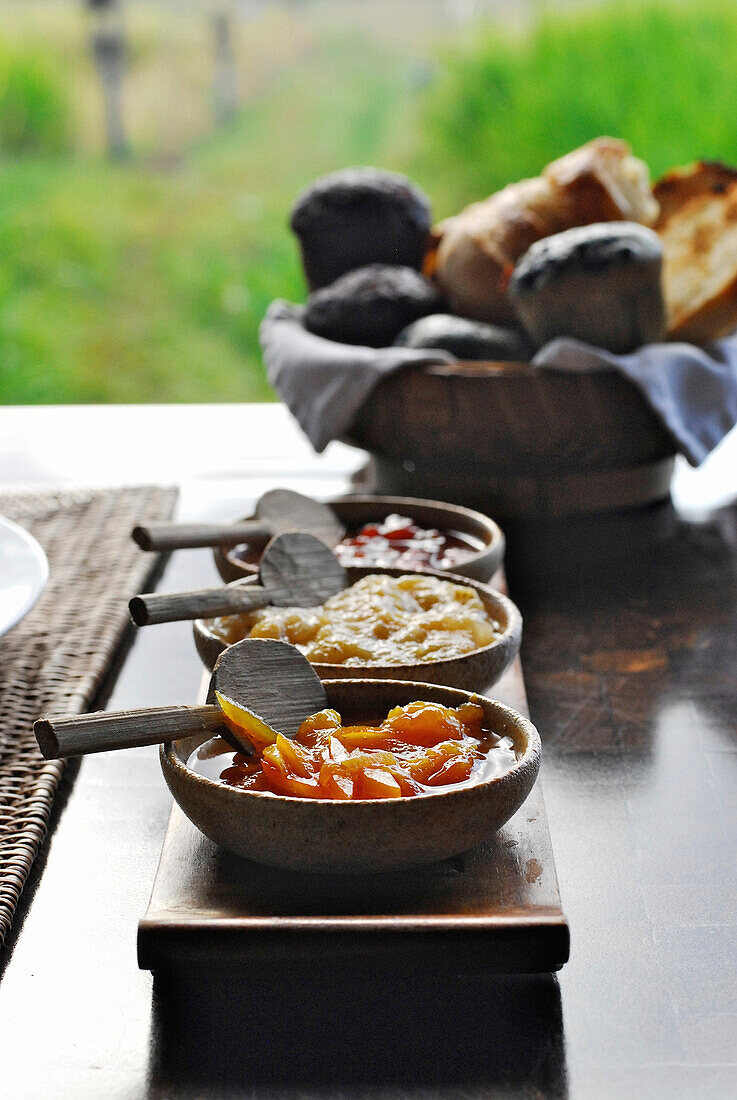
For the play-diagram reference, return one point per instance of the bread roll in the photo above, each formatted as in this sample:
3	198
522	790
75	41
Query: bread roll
371	306
597	283
472	340
359	216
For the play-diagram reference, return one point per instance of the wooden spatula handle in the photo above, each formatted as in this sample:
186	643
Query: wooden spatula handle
98	732
172	607
189	536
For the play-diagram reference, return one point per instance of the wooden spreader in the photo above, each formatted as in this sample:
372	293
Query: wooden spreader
296	570
269	679
277	511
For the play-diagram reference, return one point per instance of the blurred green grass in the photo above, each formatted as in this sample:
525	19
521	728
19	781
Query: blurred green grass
124	283
660	73
146	281
34	109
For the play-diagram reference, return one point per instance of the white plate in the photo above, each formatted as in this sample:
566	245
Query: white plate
24	571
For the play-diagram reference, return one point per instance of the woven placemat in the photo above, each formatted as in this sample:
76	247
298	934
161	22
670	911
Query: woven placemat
57	657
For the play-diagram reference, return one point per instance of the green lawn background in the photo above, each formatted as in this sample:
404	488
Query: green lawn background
146	280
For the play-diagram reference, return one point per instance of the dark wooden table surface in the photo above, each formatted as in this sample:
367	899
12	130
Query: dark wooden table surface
630	670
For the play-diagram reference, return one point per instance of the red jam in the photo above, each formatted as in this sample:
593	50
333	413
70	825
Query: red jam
400	543
395	542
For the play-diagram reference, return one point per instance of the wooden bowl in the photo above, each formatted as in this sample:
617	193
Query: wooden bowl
514	439
305	834
354	511
479	669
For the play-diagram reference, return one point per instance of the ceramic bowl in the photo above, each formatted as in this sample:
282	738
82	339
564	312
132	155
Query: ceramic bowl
364	836
476	670
354	511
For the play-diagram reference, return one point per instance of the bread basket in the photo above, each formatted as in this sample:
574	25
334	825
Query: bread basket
515	440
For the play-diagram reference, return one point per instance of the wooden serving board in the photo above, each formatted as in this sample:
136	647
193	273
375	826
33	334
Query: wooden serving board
493	909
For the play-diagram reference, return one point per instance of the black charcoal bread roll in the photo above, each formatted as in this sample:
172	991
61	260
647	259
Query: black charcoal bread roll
371	305
598	283
465	339
360	216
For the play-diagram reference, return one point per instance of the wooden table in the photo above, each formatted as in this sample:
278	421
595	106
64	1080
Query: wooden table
630	670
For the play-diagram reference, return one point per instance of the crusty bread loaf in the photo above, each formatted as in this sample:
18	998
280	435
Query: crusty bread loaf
700	266
469	269
675	188
477	248
605	183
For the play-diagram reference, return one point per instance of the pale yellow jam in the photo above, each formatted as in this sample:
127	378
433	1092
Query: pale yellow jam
379	620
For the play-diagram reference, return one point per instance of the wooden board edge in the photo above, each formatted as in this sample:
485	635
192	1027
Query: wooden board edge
533	944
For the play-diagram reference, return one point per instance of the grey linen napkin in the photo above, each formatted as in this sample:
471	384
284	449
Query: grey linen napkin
692	390
322	383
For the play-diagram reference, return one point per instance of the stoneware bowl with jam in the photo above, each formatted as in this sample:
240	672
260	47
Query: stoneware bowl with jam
384	834
476	543
479	668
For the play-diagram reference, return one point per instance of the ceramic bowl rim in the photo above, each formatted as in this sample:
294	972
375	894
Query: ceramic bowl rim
512	630
532	751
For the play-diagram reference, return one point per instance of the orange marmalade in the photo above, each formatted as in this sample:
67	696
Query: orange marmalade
418	748
378	620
